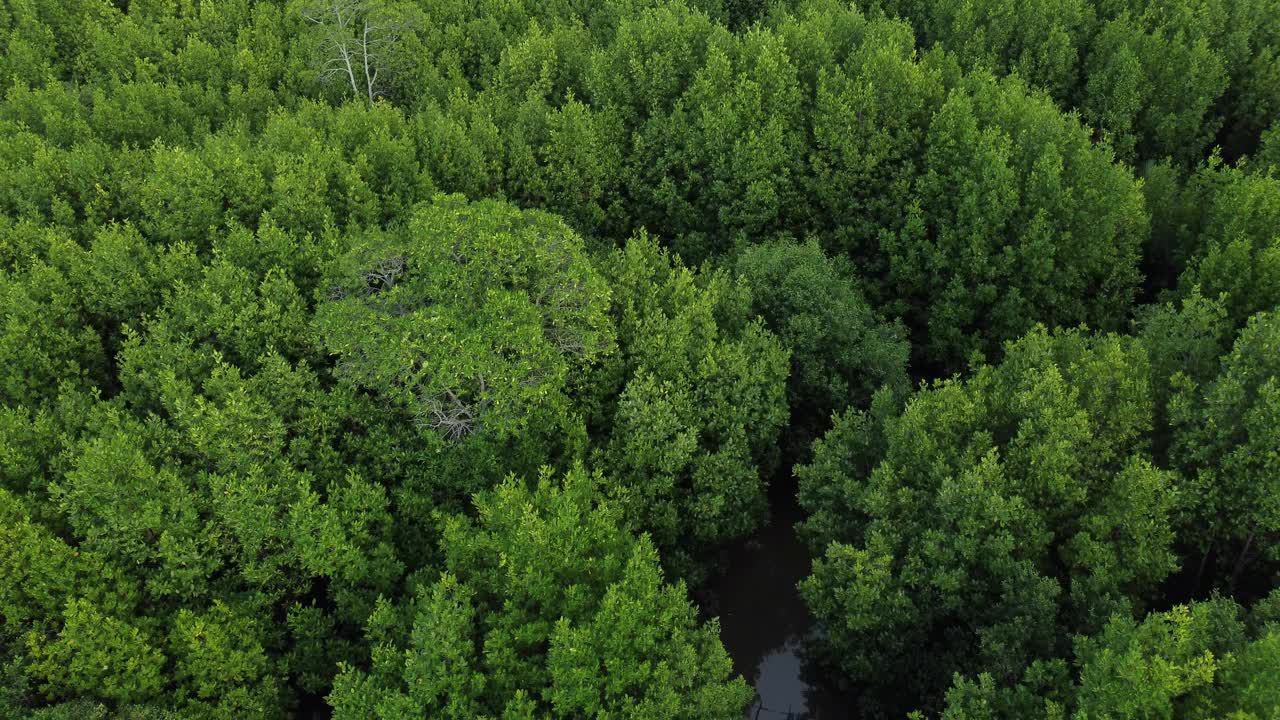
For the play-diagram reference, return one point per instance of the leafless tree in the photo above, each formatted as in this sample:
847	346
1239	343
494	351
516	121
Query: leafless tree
356	45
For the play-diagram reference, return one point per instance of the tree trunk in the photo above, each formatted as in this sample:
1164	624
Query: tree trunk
1241	559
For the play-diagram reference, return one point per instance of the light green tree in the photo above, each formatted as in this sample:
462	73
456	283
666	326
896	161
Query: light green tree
549	606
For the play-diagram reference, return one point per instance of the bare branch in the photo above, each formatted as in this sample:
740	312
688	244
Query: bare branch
352	42
383	276
450	415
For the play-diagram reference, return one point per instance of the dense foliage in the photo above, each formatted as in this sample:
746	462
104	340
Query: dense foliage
317	312
1202	660
1157	79
545	609
991	518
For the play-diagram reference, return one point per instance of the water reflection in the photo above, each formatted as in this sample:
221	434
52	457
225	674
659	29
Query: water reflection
764	624
780	689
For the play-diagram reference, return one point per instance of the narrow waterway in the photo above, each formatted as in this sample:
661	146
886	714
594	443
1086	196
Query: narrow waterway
765	625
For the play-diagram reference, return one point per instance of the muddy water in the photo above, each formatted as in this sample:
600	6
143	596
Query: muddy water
764	624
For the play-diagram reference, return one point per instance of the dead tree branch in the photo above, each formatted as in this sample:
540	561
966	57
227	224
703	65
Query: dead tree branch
356	46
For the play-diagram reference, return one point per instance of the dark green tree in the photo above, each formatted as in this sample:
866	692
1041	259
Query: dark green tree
1017	219
1233	247
1045	44
689	412
1226	432
841	351
991	519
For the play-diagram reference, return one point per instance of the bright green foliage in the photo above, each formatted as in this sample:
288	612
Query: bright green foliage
154	531
724	155
1226	442
998	239
841	352
896	173
1235	245
647	115
494	333
1156	79
1039	695
219	655
99	655
42	339
484	308
1215	230
122	276
549	607
1042	42
1000	513
1192	662
267	332
224	524
180	197
701	399
476	319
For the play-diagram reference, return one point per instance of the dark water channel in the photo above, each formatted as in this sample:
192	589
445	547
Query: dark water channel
763	622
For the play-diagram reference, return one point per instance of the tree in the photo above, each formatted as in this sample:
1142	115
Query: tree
203	486
1184	341
873	105
475	319
1152	80
1042	43
491	329
1234	247
1157	80
549	606
42	340
1017	218
991	518
282	297
1268	156
1192	661
841	351
1203	660
1225	436
687	415
359	42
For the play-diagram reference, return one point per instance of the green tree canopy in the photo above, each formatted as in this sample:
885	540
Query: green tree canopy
991	518
695	402
1233	247
291	286
841	351
549	606
1192	662
476	319
1156	79
1226	436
